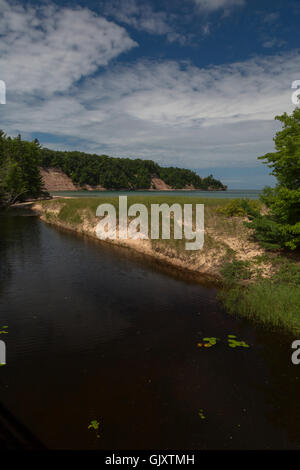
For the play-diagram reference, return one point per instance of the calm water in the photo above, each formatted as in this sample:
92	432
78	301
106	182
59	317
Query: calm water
232	193
97	333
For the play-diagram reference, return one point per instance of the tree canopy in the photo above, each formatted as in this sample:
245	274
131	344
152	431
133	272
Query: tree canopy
19	169
122	173
280	227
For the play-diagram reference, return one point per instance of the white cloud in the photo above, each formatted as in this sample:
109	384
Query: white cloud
141	16
173	113
48	48
170	94
213	5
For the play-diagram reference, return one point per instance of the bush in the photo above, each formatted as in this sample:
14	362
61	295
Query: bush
240	208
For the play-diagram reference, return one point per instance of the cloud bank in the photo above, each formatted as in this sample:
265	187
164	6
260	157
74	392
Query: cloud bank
169	111
47	49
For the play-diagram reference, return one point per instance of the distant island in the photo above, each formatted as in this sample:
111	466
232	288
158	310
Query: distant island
73	171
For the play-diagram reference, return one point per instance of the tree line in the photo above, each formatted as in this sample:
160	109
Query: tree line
20	177
122	173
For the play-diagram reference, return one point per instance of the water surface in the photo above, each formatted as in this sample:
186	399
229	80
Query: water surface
231	194
98	333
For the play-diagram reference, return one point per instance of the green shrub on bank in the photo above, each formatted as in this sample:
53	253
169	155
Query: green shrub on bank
240	208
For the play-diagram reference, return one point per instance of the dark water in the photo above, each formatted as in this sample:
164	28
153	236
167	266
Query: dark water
96	333
229	194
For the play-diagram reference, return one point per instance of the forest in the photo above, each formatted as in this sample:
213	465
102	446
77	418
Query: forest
122	173
20	178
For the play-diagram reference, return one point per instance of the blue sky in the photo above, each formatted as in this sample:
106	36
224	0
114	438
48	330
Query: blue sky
190	83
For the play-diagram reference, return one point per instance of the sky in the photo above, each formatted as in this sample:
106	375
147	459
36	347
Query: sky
188	83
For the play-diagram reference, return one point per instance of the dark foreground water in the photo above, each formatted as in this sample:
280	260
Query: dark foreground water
97	333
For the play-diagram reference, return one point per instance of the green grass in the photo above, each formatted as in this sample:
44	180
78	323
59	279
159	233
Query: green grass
274	302
93	202
72	211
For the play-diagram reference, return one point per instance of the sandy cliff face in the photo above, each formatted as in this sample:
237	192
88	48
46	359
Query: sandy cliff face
159	185
55	180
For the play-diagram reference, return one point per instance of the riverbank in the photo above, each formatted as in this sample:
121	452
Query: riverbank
256	284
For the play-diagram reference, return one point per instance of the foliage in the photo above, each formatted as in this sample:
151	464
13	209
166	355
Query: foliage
19	170
240	208
179	178
274	301
234	343
235	271
280	227
94	424
122	173
231	341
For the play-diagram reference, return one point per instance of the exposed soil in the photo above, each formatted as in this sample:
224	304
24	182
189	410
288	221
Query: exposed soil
56	180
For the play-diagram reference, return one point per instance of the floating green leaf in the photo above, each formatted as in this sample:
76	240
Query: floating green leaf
210	341
232	343
94	424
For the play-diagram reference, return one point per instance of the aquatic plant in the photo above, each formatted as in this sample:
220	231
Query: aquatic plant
94	424
233	343
209	342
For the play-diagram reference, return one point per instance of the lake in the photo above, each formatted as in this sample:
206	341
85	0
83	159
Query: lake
98	333
231	193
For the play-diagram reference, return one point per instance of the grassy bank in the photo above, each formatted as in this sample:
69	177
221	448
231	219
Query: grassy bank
273	301
256	284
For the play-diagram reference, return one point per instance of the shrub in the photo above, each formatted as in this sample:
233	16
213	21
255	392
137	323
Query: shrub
240	208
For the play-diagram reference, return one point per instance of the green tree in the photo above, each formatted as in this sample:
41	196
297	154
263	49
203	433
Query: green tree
280	227
19	169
